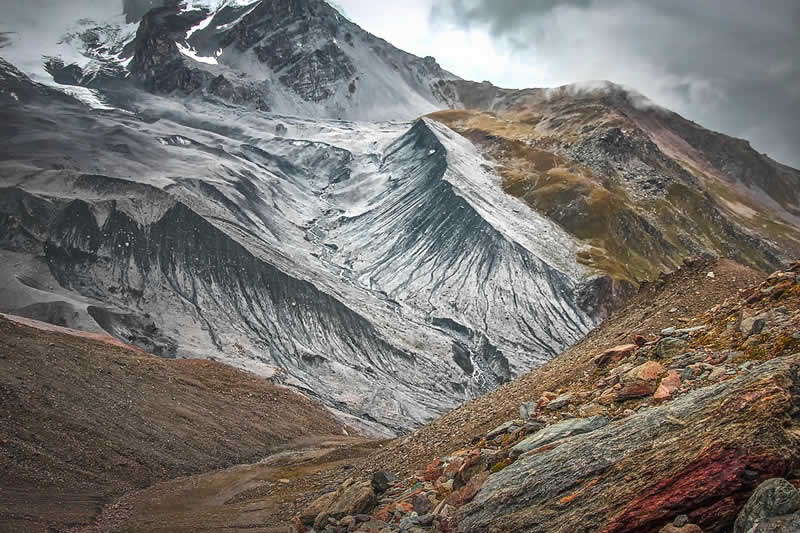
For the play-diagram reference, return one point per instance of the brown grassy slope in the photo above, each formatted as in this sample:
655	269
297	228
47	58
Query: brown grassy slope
631	228
82	421
689	291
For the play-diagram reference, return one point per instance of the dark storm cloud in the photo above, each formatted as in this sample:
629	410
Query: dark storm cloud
731	65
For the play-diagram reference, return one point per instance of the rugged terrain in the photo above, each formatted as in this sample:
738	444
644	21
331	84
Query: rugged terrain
680	425
179	178
219	239
84	419
266	185
637	184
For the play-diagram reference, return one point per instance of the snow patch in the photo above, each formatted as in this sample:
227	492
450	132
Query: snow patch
191	54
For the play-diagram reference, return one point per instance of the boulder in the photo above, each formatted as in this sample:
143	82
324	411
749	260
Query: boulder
319	505
560	402
701	454
773	498
649	371
668	386
753	325
526	410
556	432
381	481
635	389
502	429
349	499
614	355
670	347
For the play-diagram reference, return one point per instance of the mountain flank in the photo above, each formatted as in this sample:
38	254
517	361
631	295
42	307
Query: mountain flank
84	420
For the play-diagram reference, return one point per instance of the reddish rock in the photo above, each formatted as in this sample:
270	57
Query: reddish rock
433	470
635	389
297	526
451	469
639	340
649	371
668	386
721	473
614	355
781	288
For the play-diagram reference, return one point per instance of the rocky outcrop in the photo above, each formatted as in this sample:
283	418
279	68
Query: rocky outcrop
683	460
701	455
773	507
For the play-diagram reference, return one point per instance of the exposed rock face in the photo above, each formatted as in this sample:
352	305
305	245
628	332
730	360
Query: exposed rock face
702	454
774	498
295	57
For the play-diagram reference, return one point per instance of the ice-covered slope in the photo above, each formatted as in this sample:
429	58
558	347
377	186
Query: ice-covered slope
366	264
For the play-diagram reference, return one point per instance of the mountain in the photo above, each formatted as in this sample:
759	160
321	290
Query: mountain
300	58
272	253
198	192
637	184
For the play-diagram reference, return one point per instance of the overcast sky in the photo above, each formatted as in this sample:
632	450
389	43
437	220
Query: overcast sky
731	65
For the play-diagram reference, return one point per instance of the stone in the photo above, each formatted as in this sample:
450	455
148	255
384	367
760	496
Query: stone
433	470
349	500
670	347
473	487
687	331
773	498
712	443
639	340
472	466
381	481
592	409
717	373
614	355
635	389
752	325
318	506
668	386
684	360
688	528
526	410
649	371
558	431
680	520
422	504
711	275
560	402
502	429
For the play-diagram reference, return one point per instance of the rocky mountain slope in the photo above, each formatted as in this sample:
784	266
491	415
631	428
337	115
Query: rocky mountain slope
672	432
84	420
329	257
637	184
299	57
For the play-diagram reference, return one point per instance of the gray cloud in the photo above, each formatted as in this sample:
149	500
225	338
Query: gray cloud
731	65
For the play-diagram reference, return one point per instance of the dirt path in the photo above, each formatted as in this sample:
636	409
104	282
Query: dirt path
260	497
